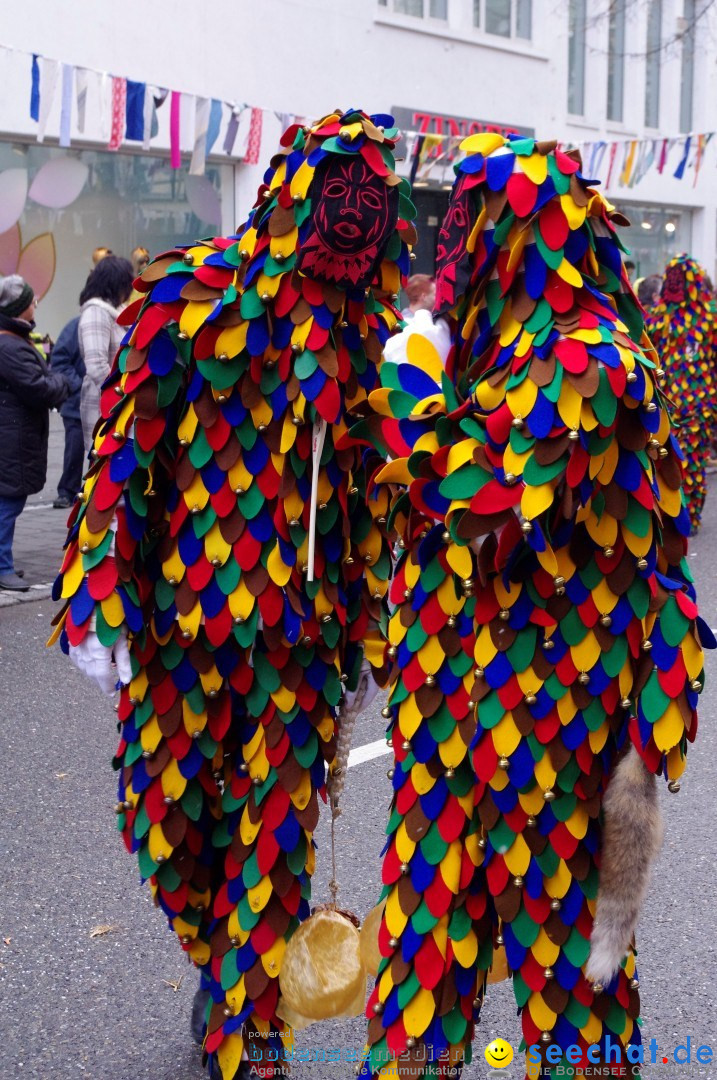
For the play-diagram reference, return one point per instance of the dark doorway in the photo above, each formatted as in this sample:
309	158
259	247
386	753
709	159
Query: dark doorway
431	204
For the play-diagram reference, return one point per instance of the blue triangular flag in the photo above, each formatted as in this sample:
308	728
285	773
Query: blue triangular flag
680	170
35	91
135	111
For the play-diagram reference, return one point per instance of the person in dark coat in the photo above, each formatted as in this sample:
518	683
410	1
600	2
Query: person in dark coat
28	390
67	360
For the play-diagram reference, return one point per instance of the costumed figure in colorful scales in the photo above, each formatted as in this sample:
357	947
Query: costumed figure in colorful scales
545	644
683	330
225	538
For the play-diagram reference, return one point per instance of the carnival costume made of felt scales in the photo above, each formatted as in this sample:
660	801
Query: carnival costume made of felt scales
544	639
222	528
683	330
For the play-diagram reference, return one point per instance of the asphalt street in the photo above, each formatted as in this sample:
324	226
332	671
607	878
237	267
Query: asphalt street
116	1006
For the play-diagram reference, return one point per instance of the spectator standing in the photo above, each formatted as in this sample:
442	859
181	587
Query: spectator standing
139	258
648	291
106	292
100	253
421	294
28	390
67	359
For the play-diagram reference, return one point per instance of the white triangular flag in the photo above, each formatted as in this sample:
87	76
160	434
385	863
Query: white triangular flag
201	126
49	72
105	96
187	107
148	115
81	85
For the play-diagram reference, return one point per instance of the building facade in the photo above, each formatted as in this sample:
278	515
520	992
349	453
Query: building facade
638	75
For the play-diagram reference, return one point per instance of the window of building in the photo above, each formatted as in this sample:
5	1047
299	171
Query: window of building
652	64
616	61
524	19
434	9
497	17
576	57
123	200
688	66
505	18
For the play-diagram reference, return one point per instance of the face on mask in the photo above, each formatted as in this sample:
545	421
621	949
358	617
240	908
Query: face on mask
452	263
673	291
354	215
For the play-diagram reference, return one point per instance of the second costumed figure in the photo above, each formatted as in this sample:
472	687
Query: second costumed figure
545	645
683	330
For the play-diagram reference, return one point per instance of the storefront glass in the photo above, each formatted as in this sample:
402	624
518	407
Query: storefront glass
656	233
57	206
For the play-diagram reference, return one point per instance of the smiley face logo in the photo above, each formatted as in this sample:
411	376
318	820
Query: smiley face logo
499	1053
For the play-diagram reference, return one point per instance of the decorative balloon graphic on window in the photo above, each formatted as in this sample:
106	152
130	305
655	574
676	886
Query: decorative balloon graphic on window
35	261
56	185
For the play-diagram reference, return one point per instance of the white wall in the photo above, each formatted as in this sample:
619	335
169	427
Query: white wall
309	56
299	56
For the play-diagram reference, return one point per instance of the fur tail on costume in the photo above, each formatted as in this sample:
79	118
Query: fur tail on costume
632	838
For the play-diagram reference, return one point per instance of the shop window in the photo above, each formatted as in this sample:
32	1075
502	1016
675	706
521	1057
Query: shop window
652	64
616	61
655	234
69	203
504	18
576	57
434	9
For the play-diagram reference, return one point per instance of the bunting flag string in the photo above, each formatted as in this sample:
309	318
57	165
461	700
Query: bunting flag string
128	111
625	162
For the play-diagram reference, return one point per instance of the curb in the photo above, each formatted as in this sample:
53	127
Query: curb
35	592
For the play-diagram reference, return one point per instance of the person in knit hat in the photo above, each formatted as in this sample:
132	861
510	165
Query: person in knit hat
28	390
16	297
